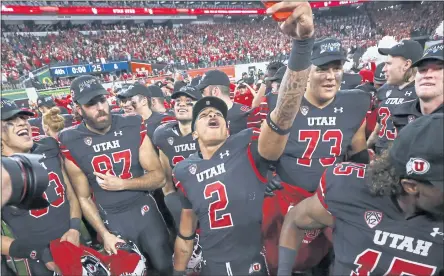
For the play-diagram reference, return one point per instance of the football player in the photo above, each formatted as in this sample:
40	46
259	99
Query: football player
230	170
110	155
388	217
216	83
330	127
429	88
141	98
400	87
33	230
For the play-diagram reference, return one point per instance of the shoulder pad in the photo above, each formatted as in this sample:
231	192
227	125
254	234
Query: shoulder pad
68	134
125	120
48	141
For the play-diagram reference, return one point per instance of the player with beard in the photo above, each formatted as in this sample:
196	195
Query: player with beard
175	143
110	155
216	83
429	88
141	98
400	87
330	128
223	184
387	217
33	230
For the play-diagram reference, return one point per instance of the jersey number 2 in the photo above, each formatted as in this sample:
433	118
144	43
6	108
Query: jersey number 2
313	136
384	112
368	260
56	184
103	163
220	204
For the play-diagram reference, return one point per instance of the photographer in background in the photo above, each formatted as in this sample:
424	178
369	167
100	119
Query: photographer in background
61	219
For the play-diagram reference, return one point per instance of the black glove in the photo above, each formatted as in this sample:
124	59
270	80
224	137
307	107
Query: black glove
274	183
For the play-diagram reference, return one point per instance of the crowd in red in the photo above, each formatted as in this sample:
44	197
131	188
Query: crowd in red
200	46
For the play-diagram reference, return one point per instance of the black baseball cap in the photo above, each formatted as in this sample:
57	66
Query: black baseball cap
85	88
10	109
350	81
379	76
417	152
213	77
434	52
136	89
327	50
195	81
206	102
155	91
45	101
189	91
408	49
178	85
279	75
160	84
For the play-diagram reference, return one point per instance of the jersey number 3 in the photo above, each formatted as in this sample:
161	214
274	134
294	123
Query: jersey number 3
313	136
368	260
219	205
103	163
56	184
384	112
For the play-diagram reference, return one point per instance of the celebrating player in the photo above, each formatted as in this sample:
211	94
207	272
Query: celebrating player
216	83
223	184
33	230
387	217
330	122
429	88
400	87
110	154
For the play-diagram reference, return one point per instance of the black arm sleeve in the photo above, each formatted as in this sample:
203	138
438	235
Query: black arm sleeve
261	163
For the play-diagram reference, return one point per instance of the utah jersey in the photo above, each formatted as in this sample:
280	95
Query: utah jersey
320	137
393	97
155	120
175	146
47	223
371	235
408	112
229	209
240	117
116	151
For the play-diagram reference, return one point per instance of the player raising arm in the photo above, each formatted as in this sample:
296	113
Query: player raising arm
223	184
387	217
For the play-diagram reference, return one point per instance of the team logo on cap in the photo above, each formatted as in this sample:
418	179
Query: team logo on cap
192	168
144	209
417	166
304	110
87	84
434	49
372	218
207	103
88	141
170	141
330	47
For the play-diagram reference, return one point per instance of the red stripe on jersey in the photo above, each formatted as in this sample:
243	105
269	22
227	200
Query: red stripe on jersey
254	118
142	132
168	119
67	154
35	131
253	165
179	186
322	189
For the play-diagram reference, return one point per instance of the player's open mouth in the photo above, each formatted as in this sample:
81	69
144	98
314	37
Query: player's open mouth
182	110
213	123
329	85
23	133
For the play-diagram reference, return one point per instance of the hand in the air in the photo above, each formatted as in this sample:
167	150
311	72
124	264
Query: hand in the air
72	236
299	25
274	183
109	243
109	182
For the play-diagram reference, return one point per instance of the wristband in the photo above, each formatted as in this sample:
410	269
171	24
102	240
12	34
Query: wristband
186	238
300	55
275	127
74	223
287	258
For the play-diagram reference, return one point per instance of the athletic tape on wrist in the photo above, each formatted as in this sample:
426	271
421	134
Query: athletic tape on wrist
300	55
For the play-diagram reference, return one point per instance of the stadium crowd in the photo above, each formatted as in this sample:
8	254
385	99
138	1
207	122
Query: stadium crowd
199	46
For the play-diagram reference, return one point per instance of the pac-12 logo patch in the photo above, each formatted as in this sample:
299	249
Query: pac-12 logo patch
411	118
88	141
170	141
255	267
145	209
372	218
417	166
192	168
304	110
33	255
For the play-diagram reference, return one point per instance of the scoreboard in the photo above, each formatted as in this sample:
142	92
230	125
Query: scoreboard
76	70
